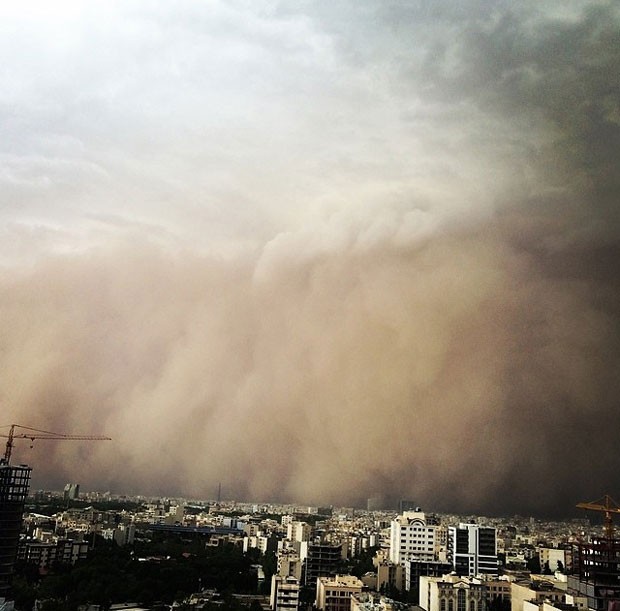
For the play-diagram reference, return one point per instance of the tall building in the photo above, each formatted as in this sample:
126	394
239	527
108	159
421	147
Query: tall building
71	492
597	568
473	549
289	564
298	531
321	560
14	483
414	537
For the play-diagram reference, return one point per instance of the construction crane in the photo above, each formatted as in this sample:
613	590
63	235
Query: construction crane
33	434
608	506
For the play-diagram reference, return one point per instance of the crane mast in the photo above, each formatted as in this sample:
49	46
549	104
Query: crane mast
32	434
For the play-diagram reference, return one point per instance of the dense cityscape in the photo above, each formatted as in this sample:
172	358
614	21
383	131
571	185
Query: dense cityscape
93	551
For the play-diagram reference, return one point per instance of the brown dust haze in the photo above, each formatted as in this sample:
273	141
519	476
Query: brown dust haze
456	343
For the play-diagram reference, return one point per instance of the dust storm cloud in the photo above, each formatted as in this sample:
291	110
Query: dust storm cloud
421	301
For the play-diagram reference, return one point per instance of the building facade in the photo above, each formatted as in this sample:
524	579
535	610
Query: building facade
414	569
45	555
284	593
321	560
451	593
596	567
334	593
472	549
14	483
413	537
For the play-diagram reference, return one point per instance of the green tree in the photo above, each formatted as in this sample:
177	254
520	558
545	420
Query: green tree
533	565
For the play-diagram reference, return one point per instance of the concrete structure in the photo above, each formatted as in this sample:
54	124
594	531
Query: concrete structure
284	593
414	569
413	537
320	560
547	606
124	534
289	564
71	492
555	559
472	549
535	591
259	542
452	593
298	531
499	591
367	601
46	554
334	593
596	565
14	482
389	575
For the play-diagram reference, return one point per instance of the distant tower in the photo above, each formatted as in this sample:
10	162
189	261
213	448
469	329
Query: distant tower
14	483
71	492
219	493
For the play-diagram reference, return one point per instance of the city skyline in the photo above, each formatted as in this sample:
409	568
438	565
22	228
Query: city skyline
315	251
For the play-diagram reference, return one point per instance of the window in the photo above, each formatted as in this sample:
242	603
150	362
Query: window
461	604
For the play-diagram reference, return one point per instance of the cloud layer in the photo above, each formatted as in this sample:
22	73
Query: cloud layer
316	253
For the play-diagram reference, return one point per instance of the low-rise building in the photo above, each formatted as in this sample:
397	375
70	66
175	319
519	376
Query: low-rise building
452	593
367	601
334	593
45	554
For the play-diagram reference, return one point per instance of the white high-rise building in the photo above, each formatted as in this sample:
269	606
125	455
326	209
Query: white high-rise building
413	538
473	549
71	492
298	531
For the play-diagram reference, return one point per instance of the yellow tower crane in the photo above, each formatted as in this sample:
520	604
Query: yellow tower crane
33	434
607	506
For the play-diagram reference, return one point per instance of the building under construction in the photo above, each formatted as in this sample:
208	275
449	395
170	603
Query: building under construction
596	563
597	568
14	483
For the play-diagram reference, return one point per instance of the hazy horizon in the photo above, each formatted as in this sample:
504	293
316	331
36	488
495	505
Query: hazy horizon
570	515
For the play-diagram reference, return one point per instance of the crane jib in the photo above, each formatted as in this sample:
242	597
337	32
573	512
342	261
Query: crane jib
41	434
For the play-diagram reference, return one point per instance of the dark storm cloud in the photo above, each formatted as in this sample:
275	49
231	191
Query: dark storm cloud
428	307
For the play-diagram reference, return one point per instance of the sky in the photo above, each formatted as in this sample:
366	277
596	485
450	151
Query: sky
314	251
